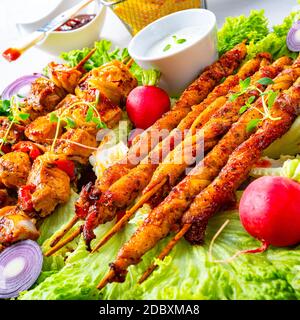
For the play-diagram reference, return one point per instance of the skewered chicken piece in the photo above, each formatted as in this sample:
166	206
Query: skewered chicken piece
113	79
48	185
14	169
110	114
125	190
115	172
15	225
76	145
41	130
160	220
66	77
43	98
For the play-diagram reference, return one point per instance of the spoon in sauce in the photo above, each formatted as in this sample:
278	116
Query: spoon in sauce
68	20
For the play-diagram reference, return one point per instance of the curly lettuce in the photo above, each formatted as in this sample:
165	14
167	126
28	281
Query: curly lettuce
289	143
275	42
237	29
286	166
187	273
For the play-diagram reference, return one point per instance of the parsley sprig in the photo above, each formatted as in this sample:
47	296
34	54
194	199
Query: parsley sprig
64	120
268	99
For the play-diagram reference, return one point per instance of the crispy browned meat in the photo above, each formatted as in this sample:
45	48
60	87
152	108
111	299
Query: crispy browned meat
64	76
15	134
194	94
14	169
68	145
113	79
41	130
44	96
219	192
160	220
15	225
110	114
52	185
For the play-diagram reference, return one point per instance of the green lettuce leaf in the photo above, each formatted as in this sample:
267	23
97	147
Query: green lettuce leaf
289	143
275	42
286	166
237	29
188	273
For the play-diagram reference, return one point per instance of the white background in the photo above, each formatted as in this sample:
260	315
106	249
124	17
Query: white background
35	60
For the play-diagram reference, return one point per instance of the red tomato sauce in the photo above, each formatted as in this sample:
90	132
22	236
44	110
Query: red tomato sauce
76	22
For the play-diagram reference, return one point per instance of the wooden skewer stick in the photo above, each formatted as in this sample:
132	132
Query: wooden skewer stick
106	279
165	252
85	59
123	221
129	63
64	242
60	234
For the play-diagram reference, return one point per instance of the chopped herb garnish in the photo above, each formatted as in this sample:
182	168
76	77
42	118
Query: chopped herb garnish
99	123
89	114
245	86
70	122
24	116
243	109
53	117
271	98
180	41
253	124
265	81
167	47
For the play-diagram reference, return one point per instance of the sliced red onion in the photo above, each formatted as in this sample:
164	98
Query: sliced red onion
20	266
16	86
293	38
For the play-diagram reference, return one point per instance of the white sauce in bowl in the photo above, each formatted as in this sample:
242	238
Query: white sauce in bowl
175	42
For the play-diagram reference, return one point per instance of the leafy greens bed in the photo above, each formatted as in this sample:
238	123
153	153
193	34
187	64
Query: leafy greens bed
188	273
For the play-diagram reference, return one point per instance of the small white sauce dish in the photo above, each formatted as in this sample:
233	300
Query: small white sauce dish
166	45
59	41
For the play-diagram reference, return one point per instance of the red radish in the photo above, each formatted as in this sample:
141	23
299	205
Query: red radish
146	104
270	211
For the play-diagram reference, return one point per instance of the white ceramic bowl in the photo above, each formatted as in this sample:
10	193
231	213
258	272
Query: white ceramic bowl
180	68
59	41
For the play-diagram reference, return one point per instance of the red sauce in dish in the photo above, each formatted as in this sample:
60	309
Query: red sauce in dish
11	54
76	22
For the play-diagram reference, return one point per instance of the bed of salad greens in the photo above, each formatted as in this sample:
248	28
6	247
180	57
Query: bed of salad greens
189	272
